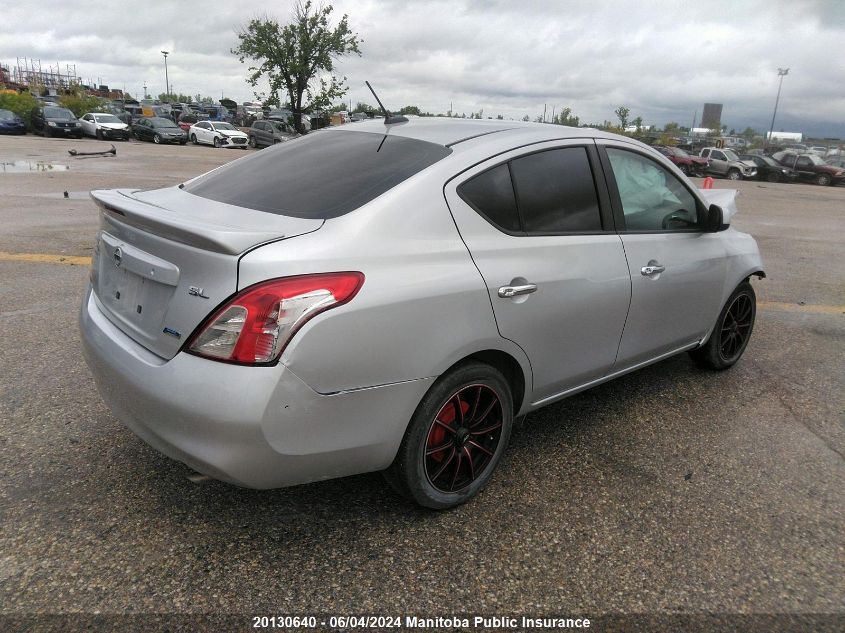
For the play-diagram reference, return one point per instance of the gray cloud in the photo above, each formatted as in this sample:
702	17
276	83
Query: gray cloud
661	59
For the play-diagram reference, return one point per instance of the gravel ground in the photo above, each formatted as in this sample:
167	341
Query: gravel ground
671	490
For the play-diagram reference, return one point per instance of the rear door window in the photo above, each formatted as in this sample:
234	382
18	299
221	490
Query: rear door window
555	191
313	176
544	193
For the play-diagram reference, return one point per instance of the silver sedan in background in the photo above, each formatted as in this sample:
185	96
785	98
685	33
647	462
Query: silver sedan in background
286	318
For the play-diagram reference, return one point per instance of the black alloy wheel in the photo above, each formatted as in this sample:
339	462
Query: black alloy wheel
456	437
732	331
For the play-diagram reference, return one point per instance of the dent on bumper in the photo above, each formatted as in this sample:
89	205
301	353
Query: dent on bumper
259	427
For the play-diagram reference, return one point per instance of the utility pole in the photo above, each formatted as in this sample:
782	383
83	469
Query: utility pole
782	72
166	78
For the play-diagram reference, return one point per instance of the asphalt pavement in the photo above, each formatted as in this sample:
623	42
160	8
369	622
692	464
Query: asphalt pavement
673	490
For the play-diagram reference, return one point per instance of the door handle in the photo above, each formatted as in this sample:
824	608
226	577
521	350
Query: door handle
506	292
653	268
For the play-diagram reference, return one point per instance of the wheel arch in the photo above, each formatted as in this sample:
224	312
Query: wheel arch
509	366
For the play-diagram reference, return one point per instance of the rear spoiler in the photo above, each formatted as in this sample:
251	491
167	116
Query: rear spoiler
206	224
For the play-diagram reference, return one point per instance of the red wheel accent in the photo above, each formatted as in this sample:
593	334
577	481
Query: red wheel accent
463	438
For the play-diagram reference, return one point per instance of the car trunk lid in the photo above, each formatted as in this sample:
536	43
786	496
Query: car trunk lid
165	259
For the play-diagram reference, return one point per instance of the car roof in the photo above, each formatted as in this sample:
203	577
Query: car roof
453	132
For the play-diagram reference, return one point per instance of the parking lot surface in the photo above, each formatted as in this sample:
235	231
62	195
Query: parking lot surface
672	489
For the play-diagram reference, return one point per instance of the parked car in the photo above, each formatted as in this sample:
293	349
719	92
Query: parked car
725	162
217	133
11	123
265	133
104	126
690	165
768	169
51	120
186	120
158	130
811	168
270	326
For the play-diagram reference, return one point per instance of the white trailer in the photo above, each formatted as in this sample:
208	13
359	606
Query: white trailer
789	137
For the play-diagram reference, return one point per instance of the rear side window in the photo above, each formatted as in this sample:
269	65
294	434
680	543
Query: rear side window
322	175
544	193
555	191
491	195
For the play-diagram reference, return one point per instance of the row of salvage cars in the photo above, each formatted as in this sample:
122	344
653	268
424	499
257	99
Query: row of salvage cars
784	166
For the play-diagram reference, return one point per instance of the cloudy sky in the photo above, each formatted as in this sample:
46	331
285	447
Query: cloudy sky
661	59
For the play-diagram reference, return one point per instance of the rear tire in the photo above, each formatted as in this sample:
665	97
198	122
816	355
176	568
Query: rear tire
194	139
467	414
732	331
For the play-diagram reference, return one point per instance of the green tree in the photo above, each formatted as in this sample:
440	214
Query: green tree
622	114
21	103
173	97
81	103
565	117
364	107
410	109
526	118
639	123
295	57
671	128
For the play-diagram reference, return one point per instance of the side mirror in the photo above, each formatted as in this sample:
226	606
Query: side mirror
714	220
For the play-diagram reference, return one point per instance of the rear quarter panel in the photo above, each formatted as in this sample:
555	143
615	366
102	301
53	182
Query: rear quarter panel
423	305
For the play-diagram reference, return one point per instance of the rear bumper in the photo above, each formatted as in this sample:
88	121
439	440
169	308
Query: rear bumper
259	427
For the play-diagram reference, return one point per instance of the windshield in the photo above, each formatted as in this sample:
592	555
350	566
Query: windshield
768	161
58	113
106	118
279	127
679	152
162	123
814	159
224	126
6	115
731	155
309	177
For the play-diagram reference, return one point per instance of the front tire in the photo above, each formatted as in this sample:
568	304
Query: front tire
823	179
157	139
252	142
734	174
732	331
216	142
455	439
99	135
773	176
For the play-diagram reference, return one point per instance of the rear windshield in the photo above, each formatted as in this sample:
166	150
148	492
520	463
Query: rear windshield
322	175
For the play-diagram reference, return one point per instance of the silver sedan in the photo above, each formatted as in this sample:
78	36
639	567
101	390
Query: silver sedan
390	296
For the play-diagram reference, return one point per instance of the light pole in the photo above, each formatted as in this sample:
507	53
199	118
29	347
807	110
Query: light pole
782	72
166	78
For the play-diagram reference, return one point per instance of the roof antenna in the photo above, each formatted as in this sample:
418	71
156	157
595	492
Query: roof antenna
388	118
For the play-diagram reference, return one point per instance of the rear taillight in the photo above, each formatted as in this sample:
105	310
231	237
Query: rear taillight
255	325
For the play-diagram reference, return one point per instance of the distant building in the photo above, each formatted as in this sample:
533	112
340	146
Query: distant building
711	118
701	131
